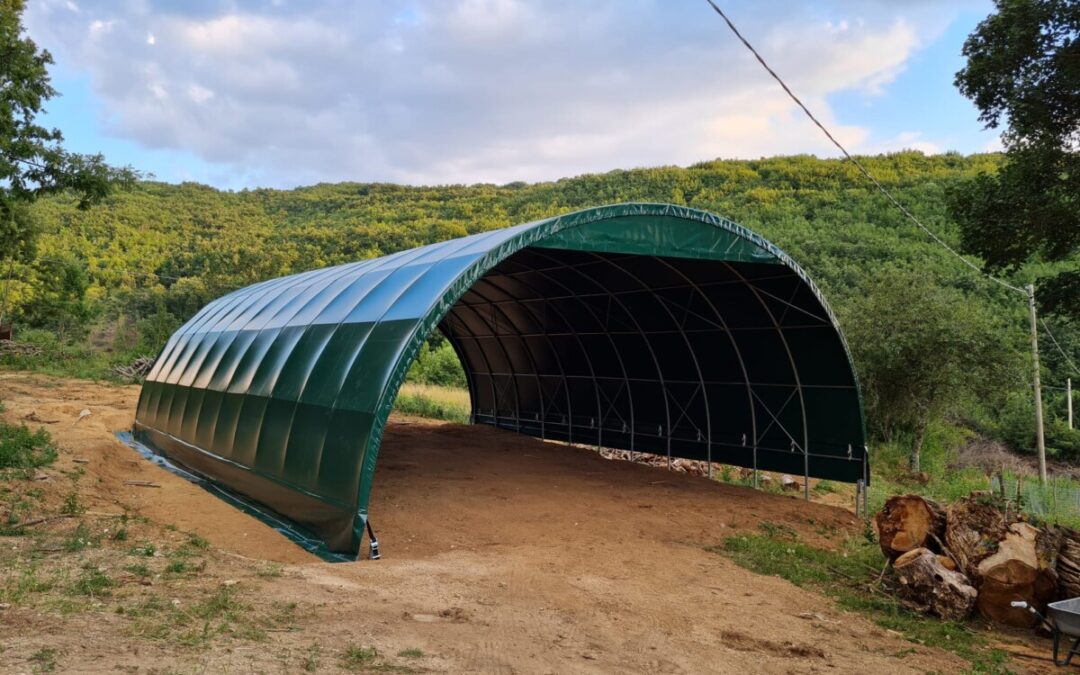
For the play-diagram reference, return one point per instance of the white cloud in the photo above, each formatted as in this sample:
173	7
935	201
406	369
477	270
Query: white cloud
97	27
199	94
436	91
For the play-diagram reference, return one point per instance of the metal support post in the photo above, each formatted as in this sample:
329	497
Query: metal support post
866	484
806	473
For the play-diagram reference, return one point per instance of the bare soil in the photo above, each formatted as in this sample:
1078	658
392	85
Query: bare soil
501	553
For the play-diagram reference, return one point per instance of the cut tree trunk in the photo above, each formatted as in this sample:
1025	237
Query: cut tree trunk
972	532
907	522
1022	568
927	586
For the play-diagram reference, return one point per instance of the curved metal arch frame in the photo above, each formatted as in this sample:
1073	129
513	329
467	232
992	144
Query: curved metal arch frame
652	354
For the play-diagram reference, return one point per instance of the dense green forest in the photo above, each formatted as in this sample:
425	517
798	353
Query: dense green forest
112	282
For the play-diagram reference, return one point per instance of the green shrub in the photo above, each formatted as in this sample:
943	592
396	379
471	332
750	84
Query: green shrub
438	364
21	448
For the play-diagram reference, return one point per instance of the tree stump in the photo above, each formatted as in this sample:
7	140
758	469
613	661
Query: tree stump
906	522
1022	568
927	586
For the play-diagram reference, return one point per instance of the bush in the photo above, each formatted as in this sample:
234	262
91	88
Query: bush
21	448
155	330
438	364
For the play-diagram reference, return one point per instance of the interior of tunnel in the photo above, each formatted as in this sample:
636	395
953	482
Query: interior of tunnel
712	360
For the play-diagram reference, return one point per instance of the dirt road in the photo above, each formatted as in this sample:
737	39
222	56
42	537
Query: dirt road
502	554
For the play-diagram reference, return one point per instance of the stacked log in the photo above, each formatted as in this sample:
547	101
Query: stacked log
908	522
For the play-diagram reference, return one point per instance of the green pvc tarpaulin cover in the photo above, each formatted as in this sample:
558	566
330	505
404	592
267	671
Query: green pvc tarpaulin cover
648	327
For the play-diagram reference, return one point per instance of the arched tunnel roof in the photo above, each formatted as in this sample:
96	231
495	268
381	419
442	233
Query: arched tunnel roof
648	327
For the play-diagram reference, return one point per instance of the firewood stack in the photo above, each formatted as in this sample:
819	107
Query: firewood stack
972	556
137	369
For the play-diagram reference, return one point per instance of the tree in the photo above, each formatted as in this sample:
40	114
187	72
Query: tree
32	159
1023	72
924	351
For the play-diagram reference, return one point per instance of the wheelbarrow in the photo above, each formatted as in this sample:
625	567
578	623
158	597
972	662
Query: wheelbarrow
1063	620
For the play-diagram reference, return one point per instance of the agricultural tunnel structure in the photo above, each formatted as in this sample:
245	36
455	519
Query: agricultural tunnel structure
647	327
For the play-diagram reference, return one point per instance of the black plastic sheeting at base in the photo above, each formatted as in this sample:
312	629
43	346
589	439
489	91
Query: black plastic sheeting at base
295	533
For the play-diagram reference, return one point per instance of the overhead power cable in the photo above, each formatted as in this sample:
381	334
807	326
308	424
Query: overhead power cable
1046	329
853	160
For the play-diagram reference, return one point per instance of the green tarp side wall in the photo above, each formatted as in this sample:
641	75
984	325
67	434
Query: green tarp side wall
280	391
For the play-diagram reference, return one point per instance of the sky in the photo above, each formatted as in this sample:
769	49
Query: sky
270	93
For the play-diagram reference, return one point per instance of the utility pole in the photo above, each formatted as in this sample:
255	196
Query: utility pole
1040	438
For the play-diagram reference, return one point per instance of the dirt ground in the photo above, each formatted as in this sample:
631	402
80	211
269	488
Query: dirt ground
502	554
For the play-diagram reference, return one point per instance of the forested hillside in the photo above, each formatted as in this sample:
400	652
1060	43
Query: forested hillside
112	282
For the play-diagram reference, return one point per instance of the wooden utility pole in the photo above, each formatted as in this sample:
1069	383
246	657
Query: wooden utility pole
1040	438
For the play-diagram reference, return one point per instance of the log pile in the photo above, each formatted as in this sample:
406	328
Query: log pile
678	464
974	557
137	369
12	348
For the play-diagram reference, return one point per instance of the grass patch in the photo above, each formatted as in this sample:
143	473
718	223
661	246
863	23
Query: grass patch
139	570
217	615
312	656
22	450
177	567
451	396
846	577
92	582
270	571
423	406
358	658
80	538
198	542
44	660
19	585
145	549
411	653
71	505
366	659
